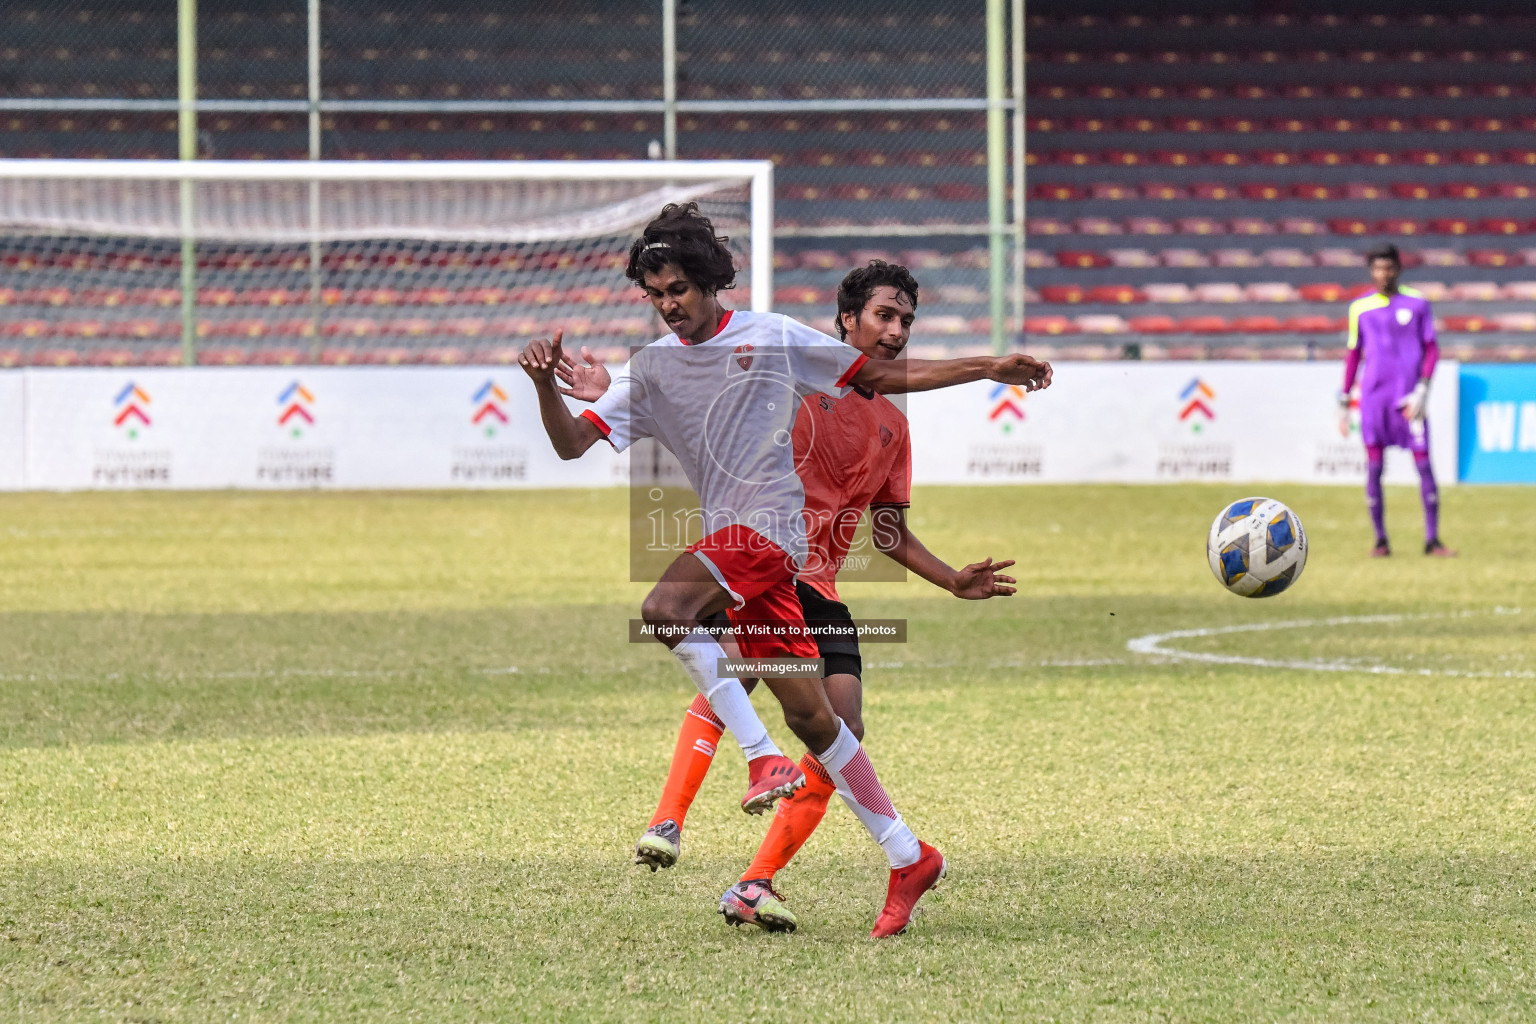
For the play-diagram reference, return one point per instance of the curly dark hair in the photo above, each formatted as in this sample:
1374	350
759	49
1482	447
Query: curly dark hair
853	294
1384	252
684	237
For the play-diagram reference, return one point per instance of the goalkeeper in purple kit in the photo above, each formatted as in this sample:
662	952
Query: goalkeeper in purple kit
1392	335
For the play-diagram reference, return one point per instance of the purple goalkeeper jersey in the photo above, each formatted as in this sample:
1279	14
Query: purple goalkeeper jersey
1394	336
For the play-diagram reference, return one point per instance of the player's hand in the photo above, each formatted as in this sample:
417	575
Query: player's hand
982	580
585	383
540	357
1415	402
1018	368
1344	402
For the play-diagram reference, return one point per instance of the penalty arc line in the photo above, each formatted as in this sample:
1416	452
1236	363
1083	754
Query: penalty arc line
1152	644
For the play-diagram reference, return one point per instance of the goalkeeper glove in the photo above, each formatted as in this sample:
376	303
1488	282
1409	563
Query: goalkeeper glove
1413	404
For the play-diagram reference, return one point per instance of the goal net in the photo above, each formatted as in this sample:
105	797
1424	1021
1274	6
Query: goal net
299	262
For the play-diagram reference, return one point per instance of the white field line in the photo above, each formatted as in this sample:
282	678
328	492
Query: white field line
1152	644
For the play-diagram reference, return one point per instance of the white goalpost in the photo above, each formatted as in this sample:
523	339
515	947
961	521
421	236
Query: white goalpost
371	262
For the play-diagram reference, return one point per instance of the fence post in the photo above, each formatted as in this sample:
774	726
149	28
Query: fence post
997	171
669	76
1019	170
186	124
315	253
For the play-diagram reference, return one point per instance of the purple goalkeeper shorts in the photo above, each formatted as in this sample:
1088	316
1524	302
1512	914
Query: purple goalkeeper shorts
1383	425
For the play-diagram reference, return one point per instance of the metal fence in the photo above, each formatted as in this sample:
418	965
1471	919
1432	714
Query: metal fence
893	124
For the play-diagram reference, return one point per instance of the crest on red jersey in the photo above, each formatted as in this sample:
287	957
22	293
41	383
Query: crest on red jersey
744	360
885	435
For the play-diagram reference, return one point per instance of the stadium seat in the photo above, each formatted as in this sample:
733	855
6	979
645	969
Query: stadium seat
1256	325
1046	226
1185	258
1201	226
1250	226
1303	226
1258	191
1102	323
1522	321
1475	291
1153	324
1056	294
1322	292
1097	226
1049	325
1442	258
1132	258
1235	258
1501	226
1212	190
1081	259
1521	291
1271	291
1337	257
1514	190
1168	293
1115	294
1204	325
1219	291
1111	191
1286	258
1149	226
1314	324
1492	258
1033	258
1450	226
1162	190
1399	226
1471	324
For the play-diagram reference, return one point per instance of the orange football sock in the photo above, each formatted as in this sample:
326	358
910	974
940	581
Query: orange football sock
691	758
796	819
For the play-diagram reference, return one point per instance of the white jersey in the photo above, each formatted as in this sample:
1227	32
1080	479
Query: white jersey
726	409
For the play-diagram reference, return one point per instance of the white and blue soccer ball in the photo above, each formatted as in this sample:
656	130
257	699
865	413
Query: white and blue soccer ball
1257	547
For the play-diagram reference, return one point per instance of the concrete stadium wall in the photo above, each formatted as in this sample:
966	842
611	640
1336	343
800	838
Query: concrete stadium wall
478	427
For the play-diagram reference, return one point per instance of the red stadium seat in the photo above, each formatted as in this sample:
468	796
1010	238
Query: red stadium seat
1115	294
1235	258
55	357
1321	292
1256	325
1168	293
1475	157
1514	190
1314	324
1081	259
1049	325
1201	226
1173	158
1400	226
1374	157
1327	158
1204	325
1124	158
1219	291
1451	226
1426	157
1464	190
1212	190
1287	258
1501	226
1526	157
1225	158
1348	226
1184	258
1153	324
1260	191
1063	293
1472	324
1132	258
1112	191
1162	190
1364	190
1412	190
1492	258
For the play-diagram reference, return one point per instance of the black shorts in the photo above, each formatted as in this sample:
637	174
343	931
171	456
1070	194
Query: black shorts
837	639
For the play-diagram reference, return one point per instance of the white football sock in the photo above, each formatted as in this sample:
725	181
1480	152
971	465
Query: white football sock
700	655
856	783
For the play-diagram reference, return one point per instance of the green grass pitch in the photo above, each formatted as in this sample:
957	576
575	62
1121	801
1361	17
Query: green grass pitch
385	757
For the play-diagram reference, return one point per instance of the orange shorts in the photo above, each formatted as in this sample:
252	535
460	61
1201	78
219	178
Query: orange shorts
760	577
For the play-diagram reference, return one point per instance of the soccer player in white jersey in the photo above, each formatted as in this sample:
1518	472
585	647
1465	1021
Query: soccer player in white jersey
722	393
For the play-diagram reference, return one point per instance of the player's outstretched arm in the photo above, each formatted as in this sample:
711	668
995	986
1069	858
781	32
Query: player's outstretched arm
571	435
975	582
898	376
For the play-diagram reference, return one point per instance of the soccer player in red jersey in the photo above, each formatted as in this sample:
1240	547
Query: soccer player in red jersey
714	393
853	454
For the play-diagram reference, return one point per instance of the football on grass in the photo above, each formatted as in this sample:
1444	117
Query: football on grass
1257	547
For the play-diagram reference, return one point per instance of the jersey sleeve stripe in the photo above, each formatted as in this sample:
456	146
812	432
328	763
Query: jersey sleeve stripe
597	421
852	371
